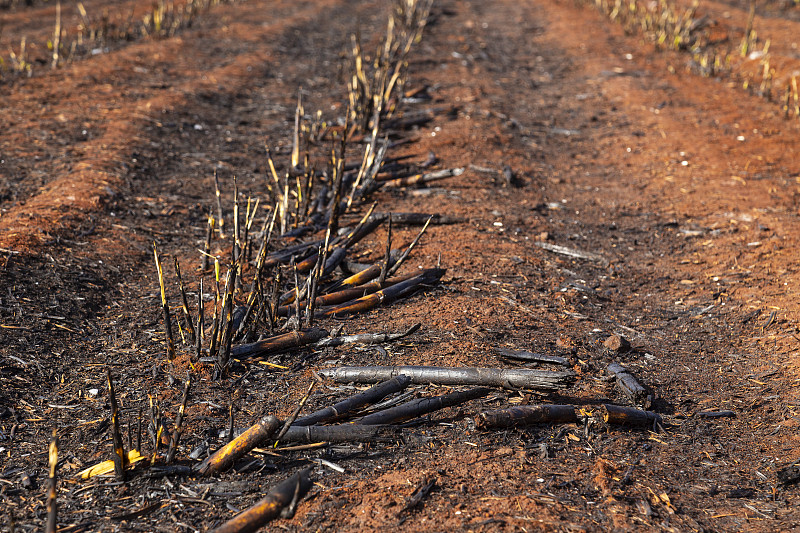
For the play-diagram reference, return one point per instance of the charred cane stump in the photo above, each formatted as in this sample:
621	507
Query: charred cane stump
524	415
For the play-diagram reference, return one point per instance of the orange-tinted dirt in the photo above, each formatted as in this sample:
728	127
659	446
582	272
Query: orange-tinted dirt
681	192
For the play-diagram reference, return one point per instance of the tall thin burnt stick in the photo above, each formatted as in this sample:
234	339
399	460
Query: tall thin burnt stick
176	433
225	333
314	278
207	246
220	216
165	307
274	300
52	504
294	414
187	316
199	328
277	191
298	118
296	297
251	216
411	246
388	257
119	448
237	245
213	346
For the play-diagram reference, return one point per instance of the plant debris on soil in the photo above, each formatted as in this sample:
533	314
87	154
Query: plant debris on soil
435	265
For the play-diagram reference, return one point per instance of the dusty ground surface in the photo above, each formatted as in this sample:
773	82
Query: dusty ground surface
684	188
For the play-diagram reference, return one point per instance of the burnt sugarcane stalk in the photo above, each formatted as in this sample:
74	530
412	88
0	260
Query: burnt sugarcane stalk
119	448
386	295
422	406
353	403
176	434
365	338
357	279
282	498
419	219
341	433
187	316
421	179
515	378
629	416
524	415
347	295
165	307
52	503
279	343
524	355
254	436
220	216
207	245
629	386
198	347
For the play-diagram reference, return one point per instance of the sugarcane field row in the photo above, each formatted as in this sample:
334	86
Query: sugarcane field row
345	265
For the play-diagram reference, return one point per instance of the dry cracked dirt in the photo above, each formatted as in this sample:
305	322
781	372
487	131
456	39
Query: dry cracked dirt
644	202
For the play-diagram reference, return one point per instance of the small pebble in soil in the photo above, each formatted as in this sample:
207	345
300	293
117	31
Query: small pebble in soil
617	343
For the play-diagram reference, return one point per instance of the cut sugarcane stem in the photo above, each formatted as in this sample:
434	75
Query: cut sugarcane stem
283	496
388	257
255	435
220	216
524	355
353	403
187	316
385	296
207	245
421	179
365	338
280	343
176	433
515	378
619	415
525	415
119	456
165	308
198	347
52	503
422	406
298	117
341	433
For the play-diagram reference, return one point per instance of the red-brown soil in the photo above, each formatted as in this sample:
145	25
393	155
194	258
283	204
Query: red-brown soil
686	187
